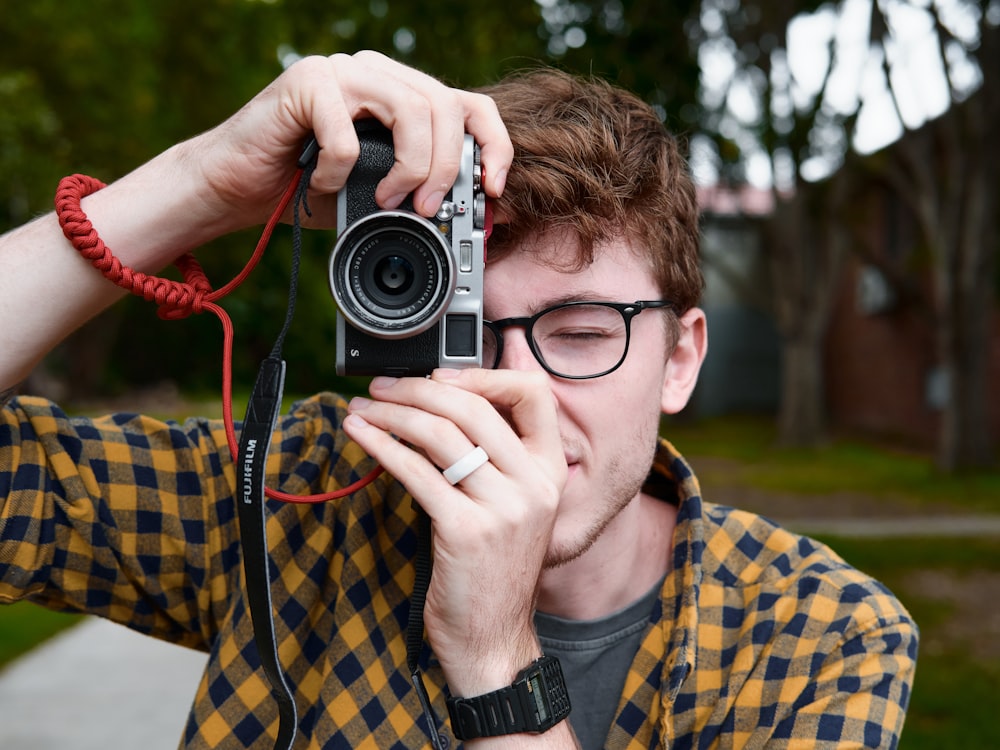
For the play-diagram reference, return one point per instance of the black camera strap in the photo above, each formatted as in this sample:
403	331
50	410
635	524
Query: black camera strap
255	442
422	564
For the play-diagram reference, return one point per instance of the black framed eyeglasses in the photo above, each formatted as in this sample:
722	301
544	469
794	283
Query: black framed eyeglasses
574	340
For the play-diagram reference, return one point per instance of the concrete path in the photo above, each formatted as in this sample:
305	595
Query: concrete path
99	686
884	528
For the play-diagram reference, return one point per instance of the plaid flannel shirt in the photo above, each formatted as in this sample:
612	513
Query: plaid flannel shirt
761	638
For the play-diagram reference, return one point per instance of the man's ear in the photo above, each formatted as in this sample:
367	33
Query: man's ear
681	372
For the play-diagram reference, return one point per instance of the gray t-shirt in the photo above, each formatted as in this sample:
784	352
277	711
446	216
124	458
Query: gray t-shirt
595	656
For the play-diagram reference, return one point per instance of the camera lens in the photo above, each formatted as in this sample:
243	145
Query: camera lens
394	275
391	274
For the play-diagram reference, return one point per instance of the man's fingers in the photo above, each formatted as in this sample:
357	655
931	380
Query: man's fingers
427	119
512	415
483	122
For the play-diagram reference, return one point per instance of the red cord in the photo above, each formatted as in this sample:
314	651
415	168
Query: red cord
176	300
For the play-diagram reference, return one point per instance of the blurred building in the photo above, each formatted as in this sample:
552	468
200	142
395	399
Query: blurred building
882	373
742	371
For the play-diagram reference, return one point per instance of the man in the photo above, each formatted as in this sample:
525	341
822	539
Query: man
677	623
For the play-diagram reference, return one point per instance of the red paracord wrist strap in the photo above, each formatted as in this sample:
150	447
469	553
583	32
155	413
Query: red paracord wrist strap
176	300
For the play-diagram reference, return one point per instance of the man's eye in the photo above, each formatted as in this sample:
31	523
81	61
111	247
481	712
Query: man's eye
583	334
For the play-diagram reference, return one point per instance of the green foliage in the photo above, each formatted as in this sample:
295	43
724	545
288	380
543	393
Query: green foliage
643	45
101	87
119	82
465	44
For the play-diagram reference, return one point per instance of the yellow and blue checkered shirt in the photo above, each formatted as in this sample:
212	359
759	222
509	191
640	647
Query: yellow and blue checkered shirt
761	638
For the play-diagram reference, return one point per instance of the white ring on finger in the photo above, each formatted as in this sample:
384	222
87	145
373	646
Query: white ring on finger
466	465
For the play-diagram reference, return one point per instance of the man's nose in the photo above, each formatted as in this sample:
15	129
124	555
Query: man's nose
517	353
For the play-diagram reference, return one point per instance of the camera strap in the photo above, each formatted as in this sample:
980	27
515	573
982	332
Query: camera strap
422	564
255	442
261	417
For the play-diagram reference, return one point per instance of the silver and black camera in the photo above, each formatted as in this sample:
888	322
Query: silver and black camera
409	290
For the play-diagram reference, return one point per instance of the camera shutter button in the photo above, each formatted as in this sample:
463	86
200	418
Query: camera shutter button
446	212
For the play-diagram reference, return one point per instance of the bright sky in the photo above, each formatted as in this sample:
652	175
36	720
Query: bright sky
918	75
857	79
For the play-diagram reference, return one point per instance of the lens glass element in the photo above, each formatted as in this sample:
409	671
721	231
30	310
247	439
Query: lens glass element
394	275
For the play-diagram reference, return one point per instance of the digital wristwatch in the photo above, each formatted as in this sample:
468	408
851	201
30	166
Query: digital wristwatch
535	702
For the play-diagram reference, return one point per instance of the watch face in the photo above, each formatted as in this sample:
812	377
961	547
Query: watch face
537	690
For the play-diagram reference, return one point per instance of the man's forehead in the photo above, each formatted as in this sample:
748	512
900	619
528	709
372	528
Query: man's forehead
523	283
532	305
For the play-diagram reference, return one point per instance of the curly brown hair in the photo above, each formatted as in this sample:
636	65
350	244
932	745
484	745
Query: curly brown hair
597	160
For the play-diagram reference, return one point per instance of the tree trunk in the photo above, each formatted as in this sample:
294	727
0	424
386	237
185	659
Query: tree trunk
802	416
805	244
964	260
946	180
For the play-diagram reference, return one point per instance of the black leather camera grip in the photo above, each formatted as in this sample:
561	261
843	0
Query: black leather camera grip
374	162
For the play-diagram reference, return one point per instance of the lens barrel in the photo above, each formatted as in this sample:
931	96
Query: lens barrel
392	274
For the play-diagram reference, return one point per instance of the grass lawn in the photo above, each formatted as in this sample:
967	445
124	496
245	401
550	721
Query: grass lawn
24	625
843	465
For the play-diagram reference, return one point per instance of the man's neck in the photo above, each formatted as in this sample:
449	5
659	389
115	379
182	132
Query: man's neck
625	561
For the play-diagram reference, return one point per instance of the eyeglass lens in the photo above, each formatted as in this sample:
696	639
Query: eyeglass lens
573	341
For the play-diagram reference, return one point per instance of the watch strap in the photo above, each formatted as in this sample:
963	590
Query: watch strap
535	702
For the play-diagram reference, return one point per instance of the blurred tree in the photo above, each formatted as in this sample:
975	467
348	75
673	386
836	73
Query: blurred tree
643	45
760	112
945	174
99	88
749	114
103	86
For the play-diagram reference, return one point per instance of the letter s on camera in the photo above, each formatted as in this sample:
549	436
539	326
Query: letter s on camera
409	290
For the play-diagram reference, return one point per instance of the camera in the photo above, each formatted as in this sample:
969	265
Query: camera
409	290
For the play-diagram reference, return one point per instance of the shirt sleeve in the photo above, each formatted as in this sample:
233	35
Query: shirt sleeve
796	648
125	517
858	696
133	518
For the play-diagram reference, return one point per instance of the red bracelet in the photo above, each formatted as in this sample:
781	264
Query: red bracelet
175	300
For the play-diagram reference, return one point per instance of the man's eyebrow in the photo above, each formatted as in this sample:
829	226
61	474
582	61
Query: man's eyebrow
562	299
